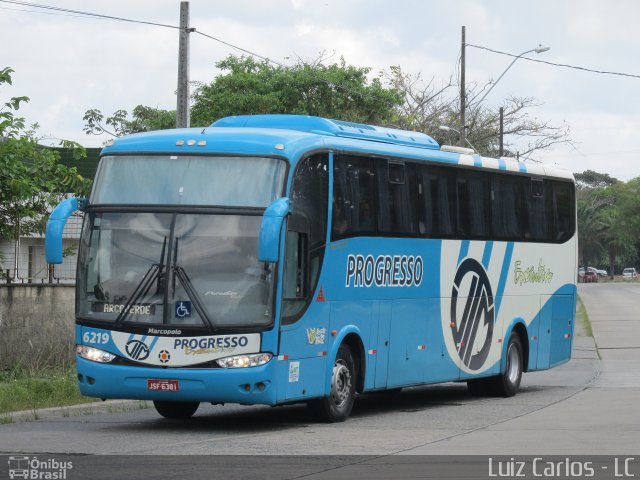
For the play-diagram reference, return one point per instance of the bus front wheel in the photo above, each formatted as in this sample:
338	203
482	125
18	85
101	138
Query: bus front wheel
176	409
337	406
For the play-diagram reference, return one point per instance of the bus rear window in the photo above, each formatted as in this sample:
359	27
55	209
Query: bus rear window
189	180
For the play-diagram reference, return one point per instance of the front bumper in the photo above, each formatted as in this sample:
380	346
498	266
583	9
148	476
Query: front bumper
253	385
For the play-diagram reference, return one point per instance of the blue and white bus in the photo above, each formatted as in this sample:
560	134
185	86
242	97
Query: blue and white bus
275	259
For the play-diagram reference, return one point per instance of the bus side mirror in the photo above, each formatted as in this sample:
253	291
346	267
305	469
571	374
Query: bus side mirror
55	227
272	220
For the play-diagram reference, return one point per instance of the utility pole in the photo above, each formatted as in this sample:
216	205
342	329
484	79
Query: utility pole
462	93
501	153
182	110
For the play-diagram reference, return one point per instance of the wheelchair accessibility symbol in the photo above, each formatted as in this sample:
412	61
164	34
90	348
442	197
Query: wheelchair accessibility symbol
182	309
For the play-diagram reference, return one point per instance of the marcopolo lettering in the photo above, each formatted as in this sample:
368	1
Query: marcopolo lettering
384	271
210	342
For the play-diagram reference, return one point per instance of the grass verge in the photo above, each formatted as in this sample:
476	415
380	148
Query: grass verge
30	390
583	318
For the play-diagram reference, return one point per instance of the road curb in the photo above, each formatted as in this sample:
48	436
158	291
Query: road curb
92	408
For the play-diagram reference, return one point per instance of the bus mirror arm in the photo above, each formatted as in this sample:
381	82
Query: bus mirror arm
271	228
55	227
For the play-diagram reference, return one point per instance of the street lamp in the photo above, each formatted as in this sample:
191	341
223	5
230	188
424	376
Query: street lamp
538	49
446	128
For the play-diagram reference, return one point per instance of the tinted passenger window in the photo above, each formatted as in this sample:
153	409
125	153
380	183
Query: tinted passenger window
354	197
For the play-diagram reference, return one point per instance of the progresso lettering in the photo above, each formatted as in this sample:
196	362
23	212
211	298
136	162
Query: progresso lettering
210	342
384	271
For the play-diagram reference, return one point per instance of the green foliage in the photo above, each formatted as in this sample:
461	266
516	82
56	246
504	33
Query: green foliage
24	390
608	221
31	179
337	90
143	119
591	179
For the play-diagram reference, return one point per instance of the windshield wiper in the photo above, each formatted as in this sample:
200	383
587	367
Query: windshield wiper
142	289
181	274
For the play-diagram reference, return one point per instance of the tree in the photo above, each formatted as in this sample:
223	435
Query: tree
336	90
427	106
591	179
31	179
143	119
608	221
247	86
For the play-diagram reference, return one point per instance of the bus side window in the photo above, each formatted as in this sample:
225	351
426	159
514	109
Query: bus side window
354	197
537	218
395	198
503	214
472	205
562	211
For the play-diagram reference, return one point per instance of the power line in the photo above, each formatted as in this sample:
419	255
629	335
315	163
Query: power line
564	65
39	13
87	14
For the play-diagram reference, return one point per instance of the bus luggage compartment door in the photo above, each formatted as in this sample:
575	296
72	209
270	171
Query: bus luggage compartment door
407	340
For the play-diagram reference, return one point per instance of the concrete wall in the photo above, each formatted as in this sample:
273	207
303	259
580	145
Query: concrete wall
36	325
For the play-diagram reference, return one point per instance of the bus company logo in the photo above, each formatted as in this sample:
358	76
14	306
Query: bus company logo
164	356
476	317
137	349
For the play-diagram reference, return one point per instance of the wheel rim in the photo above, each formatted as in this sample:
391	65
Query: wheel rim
513	367
340	383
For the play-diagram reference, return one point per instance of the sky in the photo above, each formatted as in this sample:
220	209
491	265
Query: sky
68	64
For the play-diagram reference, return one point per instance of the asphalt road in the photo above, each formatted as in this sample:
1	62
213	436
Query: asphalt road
586	407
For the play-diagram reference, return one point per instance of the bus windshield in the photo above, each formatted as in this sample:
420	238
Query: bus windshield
177	269
188	180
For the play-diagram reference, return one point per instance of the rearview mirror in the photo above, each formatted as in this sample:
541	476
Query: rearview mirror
270	229
55	227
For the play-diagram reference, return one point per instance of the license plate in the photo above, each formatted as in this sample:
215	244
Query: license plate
163	385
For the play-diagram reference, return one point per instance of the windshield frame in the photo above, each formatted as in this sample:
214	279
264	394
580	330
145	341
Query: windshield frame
141	328
212	155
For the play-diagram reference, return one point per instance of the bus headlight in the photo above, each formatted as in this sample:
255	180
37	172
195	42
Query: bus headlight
244	361
94	354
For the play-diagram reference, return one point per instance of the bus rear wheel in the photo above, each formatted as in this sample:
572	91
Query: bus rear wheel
337	406
506	384
176	409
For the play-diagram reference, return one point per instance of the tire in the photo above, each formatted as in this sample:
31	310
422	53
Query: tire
176	409
336	407
507	384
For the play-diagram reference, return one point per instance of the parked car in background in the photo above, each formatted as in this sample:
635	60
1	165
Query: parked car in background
629	273
599	273
590	276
